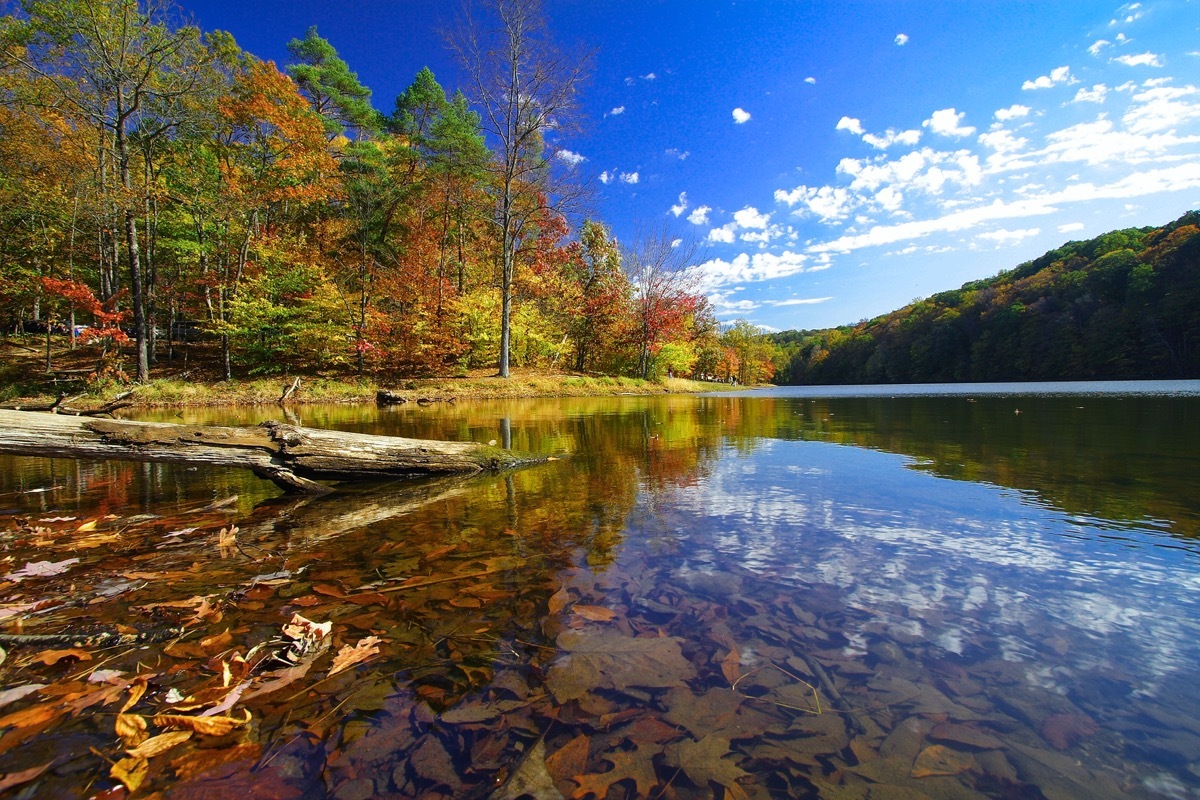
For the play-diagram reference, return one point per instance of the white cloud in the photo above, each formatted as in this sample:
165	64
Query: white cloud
810	80
946	123
649	76
1070	227
675	243
850	124
1139	184
569	157
829	203
740	116
617	110
607	177
799	301
746	268
681	206
1162	108
1140	60
901	39
675	152
1012	112
1002	141
749	217
724	234
1094	95
1057	75
890	199
699	215
1007	237
1098	45
629	177
890	137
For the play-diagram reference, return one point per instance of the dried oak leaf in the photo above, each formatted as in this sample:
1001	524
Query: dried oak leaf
211	726
595	613
52	657
568	760
607	659
349	656
705	761
41	569
131	729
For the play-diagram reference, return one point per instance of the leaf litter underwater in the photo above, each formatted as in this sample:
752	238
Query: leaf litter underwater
450	639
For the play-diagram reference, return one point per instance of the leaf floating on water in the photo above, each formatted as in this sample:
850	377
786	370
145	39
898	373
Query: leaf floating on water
301	628
209	726
157	745
131	772
558	601
17	692
52	657
41	569
131	729
939	760
349	656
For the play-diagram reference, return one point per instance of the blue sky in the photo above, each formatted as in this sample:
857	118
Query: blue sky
836	160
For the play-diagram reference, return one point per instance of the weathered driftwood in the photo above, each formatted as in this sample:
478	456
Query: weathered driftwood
386	397
294	458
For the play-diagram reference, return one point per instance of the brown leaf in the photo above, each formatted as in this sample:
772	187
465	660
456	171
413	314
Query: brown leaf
558	601
568	760
1064	730
611	660
157	745
966	735
52	657
595	613
24	776
211	726
349	656
705	760
131	772
938	760
731	666
136	690
131	729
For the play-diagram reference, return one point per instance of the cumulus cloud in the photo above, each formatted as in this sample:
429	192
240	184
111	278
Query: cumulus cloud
740	116
681	206
607	177
1094	95
798	301
675	152
1162	108
829	203
890	137
850	124
1070	227
649	76
1012	112
749	217
1006	237
1140	60
747	268
699	215
901	39
629	177
1097	46
570	157
810	80
617	110
946	122
1002	141
1057	75
724	234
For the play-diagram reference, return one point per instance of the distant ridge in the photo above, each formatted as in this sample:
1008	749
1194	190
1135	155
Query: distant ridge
1122	306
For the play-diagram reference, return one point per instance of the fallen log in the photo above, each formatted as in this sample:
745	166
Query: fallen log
292	457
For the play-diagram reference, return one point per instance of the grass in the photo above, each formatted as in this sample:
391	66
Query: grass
23	379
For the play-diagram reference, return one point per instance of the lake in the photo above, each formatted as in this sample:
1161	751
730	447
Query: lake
845	592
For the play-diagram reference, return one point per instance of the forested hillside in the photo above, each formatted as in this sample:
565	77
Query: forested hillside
159	184
1125	305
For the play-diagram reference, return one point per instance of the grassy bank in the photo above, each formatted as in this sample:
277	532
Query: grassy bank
23	379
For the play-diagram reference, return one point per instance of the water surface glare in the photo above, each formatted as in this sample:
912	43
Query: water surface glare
839	593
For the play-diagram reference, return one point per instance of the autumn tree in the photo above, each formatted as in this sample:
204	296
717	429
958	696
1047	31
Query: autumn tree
665	294
527	90
120	65
333	89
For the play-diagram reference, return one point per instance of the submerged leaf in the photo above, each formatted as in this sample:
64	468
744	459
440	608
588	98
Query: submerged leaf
705	760
349	656
41	569
610	660
156	745
211	726
131	772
